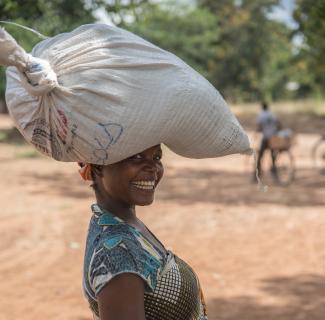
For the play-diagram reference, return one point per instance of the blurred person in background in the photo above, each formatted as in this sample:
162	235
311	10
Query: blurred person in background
268	124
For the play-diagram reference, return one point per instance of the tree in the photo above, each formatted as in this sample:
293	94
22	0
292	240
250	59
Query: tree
310	16
47	17
251	49
120	11
188	32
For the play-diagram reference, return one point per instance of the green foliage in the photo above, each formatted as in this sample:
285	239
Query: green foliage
120	11
187	32
277	70
252	53
233	43
47	17
310	61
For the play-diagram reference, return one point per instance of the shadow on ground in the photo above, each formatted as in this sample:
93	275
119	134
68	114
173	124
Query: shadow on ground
189	186
295	298
58	183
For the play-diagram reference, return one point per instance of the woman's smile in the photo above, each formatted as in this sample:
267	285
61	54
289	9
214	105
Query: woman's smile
131	181
148	185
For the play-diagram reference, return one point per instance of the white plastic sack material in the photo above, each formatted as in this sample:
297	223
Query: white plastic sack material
101	94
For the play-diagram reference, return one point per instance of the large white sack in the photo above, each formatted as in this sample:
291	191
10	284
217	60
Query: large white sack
107	94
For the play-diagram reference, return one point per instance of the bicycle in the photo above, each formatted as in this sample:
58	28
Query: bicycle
281	144
318	154
285	171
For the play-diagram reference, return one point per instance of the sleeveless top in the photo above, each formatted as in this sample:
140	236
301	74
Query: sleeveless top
172	289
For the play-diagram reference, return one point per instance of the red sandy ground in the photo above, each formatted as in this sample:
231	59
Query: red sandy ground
260	256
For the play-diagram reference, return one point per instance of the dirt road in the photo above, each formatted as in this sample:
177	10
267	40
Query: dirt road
260	256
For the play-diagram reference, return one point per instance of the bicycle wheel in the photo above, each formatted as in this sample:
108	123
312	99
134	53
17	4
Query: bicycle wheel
319	155
285	168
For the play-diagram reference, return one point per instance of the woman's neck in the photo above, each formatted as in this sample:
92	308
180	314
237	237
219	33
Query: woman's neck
120	209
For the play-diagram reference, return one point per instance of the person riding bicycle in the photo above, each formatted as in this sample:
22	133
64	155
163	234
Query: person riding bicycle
268	124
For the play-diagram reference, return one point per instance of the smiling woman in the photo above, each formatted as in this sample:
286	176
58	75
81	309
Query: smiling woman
107	98
131	181
128	273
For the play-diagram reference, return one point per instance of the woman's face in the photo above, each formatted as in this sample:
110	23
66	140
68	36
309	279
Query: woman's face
133	181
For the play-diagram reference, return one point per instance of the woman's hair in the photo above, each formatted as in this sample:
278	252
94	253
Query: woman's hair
93	177
92	173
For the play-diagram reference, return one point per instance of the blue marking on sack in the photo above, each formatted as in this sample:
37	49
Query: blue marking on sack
113	132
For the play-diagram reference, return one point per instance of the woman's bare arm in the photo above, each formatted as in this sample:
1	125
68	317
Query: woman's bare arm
122	298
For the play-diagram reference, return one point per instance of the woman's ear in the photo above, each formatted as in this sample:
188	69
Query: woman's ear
97	170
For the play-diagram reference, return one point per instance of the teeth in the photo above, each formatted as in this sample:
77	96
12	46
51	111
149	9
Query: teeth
144	187
144	184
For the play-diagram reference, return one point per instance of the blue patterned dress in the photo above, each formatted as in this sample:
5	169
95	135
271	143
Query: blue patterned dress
172	289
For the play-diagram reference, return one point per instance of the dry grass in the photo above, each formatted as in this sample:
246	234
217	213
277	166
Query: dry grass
304	116
313	106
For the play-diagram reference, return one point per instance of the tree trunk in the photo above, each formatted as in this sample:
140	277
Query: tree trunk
3	106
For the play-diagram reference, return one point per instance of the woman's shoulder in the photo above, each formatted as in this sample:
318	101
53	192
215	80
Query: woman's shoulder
110	231
113	247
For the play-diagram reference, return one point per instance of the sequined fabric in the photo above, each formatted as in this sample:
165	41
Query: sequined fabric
113	247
